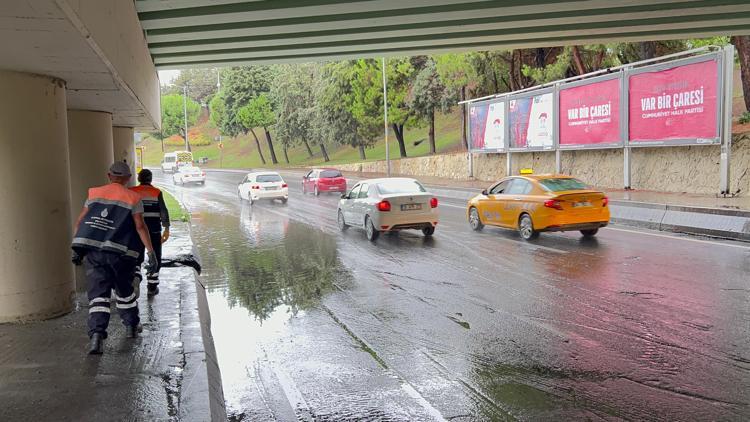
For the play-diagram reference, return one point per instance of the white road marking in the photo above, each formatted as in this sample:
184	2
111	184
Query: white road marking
730	245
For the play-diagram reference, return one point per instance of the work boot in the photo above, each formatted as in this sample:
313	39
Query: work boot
132	331
153	290
96	345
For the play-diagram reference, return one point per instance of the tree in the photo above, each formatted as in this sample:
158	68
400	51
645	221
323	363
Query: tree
240	85
742	44
201	84
259	113
365	98
400	73
334	101
173	115
456	73
428	94
292	92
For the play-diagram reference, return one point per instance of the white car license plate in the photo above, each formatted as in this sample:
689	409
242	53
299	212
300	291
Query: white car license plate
411	207
581	204
271	188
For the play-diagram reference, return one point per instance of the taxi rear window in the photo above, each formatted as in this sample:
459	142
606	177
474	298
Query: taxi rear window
559	185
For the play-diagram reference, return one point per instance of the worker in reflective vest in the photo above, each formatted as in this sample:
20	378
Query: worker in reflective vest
156	215
107	237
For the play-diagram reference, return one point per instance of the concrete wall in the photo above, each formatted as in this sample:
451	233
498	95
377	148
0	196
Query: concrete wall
112	28
692	169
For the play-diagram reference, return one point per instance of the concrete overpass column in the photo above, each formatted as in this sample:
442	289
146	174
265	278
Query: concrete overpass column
91	153
37	277
124	146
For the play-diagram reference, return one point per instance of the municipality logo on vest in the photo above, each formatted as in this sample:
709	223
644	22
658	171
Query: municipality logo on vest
105	213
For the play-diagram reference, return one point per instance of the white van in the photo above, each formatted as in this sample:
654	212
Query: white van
169	162
173	160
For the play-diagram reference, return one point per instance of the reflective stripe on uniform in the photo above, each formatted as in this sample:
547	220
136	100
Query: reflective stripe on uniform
127	305
99	300
153	281
151	215
100	245
99	309
108	202
125	299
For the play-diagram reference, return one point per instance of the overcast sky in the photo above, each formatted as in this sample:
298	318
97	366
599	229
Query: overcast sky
167	76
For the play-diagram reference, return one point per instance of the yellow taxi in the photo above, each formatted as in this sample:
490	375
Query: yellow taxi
537	203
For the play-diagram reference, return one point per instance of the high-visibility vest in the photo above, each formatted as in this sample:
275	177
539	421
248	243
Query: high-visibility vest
108	225
151	211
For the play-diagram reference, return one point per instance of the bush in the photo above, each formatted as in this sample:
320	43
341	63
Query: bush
745	118
197	139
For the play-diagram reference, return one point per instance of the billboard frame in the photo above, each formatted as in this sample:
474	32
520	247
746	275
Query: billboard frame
531	94
713	56
596	79
487	101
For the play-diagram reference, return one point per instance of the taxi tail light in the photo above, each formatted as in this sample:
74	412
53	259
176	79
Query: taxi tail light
384	206
553	203
284	185
203	173
605	201
433	203
255	187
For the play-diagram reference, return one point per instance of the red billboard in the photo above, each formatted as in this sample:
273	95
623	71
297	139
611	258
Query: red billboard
590	114
678	103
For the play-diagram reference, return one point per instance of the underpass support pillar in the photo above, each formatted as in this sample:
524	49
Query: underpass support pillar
91	153
124	147
37	279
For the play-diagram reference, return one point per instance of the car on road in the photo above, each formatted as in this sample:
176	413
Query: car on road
537	203
263	185
388	205
189	174
323	180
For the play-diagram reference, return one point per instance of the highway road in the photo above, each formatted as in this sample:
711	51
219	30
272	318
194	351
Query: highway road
311	323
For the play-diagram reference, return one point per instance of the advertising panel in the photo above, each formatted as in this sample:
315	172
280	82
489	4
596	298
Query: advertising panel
477	125
590	115
531	120
680	103
494	132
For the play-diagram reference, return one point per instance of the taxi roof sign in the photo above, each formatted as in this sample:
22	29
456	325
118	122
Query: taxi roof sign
527	171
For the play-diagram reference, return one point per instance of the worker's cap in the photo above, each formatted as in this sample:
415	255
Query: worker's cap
119	168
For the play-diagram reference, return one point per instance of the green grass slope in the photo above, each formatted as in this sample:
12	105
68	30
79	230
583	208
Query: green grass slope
241	152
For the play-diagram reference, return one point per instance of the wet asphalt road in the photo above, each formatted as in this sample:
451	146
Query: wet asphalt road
314	324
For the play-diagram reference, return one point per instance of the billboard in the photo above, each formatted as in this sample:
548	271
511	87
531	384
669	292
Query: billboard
590	115
477	125
487	127
531	122
675	104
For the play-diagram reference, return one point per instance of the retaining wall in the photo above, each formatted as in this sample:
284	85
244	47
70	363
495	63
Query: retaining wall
690	169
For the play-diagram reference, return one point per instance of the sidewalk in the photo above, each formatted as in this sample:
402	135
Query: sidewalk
46	375
727	218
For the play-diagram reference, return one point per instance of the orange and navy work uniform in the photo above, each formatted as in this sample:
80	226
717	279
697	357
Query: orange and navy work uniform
108	240
108	225
155	215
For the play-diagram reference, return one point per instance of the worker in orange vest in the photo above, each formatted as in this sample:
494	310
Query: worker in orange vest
156	215
109	232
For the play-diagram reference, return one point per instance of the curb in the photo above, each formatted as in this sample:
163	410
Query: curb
713	222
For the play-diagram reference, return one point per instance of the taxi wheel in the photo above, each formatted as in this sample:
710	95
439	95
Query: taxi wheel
589	233
526	228
342	223
474	221
372	232
428	231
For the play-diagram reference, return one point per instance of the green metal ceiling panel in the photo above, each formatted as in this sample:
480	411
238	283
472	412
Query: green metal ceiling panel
185	33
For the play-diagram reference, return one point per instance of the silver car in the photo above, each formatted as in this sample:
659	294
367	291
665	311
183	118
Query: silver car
388	205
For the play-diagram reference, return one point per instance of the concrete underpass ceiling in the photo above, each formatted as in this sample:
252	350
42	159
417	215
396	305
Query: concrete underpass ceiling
195	33
55	38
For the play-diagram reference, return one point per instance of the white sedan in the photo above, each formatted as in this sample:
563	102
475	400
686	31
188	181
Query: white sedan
388	205
263	185
189	174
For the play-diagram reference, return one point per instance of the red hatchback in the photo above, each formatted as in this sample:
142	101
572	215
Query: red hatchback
323	180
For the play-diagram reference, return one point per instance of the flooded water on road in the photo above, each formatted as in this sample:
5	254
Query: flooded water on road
314	324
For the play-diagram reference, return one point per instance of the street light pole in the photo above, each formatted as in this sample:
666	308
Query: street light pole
385	119
184	105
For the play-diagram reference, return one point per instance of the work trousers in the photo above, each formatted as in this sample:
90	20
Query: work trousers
107	271
153	278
